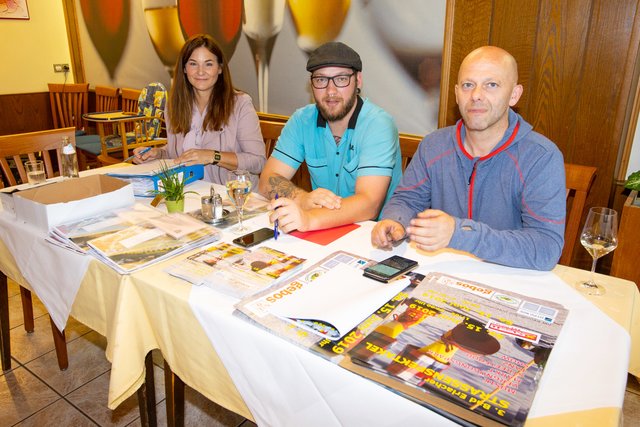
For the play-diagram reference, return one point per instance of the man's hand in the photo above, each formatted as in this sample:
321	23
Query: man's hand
319	198
386	232
289	215
432	229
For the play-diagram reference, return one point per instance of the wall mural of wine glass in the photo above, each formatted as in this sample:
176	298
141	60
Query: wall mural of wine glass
317	21
163	25
261	24
413	30
221	19
108	27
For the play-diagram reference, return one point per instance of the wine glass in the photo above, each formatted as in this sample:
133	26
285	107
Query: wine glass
238	189
261	23
317	21
599	237
163	25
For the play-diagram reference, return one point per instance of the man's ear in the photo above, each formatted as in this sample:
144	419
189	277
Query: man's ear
516	93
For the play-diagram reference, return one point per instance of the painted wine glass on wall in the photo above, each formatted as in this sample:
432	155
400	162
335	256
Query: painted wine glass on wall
261	24
599	237
108	27
163	26
317	21
221	19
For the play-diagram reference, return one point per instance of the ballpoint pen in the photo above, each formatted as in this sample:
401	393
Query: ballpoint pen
140	153
275	224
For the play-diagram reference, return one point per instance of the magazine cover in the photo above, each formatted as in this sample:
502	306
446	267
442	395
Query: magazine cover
464	347
75	235
234	270
257	309
140	245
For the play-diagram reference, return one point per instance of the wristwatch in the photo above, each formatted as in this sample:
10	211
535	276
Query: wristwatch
216	157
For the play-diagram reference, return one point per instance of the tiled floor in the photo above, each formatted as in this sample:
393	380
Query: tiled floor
36	393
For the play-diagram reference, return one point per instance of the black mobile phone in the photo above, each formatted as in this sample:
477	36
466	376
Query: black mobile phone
390	268
255	237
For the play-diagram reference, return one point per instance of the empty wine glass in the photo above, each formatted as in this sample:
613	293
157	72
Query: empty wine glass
238	189
599	237
261	23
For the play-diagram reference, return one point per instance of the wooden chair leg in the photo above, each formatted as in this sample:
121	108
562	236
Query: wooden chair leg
27	309
60	343
147	395
5	343
174	397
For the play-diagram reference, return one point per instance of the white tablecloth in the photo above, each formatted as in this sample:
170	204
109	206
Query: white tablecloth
286	385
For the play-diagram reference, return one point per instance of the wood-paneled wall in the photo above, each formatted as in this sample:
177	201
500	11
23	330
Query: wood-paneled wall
577	62
27	112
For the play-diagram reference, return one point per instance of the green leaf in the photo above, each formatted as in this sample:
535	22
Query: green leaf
633	182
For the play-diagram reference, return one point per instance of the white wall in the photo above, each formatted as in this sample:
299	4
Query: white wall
29	49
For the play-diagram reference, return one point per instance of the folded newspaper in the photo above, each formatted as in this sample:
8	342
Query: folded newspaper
235	271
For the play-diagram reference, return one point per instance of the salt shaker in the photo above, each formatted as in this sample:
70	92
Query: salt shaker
217	206
206	204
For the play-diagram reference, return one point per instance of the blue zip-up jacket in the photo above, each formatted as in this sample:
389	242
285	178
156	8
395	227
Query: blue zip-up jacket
509	206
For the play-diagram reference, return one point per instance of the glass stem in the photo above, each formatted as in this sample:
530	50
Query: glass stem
240	214
593	270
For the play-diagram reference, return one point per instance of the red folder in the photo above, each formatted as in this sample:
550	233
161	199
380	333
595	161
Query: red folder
326	236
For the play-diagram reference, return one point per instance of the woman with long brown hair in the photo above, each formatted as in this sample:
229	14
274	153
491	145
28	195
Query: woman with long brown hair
209	122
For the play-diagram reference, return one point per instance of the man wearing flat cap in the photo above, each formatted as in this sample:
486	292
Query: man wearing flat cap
349	144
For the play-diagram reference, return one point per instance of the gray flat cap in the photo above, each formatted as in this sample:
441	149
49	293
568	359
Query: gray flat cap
334	54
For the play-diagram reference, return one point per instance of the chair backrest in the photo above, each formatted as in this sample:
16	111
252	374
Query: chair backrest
408	147
579	179
270	133
130	102
14	149
68	103
107	100
151	103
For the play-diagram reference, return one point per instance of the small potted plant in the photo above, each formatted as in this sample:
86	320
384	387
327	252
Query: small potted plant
171	188
633	184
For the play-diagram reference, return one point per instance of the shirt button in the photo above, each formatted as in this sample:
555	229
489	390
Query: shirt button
337	153
336	174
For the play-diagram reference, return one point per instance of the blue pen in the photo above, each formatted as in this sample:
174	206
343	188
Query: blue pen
275	224
140	154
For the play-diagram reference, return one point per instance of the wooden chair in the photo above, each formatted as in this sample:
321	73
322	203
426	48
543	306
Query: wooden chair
68	103
106	100
408	147
270	133
579	179
147	126
130	103
14	149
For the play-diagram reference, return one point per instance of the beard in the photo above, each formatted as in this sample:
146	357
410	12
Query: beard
340	113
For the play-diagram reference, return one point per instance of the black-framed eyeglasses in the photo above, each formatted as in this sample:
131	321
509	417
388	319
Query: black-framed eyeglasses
341	80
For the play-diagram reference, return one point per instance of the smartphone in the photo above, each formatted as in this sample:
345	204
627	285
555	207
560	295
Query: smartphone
390	268
254	238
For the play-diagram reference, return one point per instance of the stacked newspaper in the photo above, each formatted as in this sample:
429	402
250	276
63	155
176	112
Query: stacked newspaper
236	271
132	238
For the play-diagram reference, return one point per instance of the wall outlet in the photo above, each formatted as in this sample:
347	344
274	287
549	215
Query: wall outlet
60	68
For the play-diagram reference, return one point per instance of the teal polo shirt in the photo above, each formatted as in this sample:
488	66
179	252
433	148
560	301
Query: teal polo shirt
369	147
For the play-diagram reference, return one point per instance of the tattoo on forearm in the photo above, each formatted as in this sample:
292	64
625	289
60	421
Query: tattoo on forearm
283	187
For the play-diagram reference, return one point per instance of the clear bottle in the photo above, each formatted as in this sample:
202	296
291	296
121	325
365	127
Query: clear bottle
69	164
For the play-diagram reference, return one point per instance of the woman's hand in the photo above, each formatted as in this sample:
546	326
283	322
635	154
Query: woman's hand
142	156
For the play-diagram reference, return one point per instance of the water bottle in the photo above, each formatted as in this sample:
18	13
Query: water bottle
69	164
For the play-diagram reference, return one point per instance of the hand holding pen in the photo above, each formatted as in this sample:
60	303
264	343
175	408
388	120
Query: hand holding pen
143	151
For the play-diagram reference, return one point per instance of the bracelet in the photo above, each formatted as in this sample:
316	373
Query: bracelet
216	157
